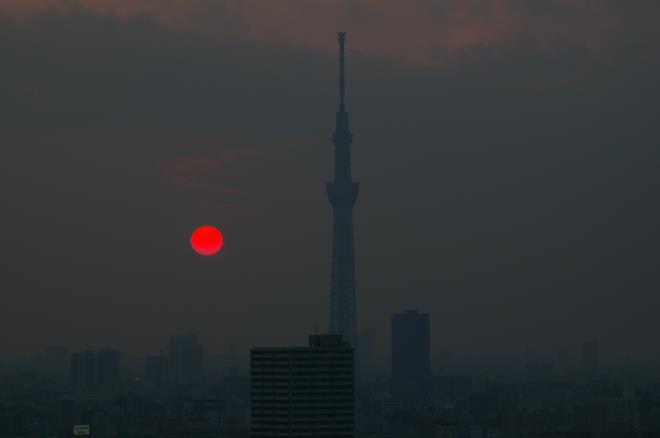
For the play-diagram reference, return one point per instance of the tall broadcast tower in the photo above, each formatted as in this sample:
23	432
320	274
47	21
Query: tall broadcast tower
342	192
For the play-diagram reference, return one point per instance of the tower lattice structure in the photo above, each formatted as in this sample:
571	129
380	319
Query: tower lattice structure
342	192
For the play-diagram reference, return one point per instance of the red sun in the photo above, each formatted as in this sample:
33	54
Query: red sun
206	240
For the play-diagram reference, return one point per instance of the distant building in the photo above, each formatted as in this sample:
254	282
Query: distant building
93	370
610	417
89	364
155	370
185	360
368	363
303	391
83	370
429	427
590	356
76	363
107	372
192	364
411	354
210	408
442	358
65	415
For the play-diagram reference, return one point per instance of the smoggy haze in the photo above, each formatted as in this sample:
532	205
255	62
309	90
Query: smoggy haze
508	154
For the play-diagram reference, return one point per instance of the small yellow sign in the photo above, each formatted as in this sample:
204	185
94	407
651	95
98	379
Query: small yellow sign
80	429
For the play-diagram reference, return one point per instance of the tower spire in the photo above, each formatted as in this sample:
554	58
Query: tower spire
342	79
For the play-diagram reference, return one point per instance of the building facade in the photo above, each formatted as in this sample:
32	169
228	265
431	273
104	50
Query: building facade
411	354
303	391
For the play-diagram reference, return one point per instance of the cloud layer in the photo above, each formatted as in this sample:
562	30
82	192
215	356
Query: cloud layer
429	32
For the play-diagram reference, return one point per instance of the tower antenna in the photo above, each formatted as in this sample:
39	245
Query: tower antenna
342	74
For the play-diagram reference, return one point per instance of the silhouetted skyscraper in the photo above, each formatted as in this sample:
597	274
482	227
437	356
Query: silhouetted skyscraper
107	371
411	353
90	368
342	192
303	391
155	371
83	370
192	364
77	370
185	359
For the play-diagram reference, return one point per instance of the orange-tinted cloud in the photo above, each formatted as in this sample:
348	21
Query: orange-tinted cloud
421	31
195	172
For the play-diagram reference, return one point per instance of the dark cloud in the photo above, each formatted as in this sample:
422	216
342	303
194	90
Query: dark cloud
408	32
190	172
508	188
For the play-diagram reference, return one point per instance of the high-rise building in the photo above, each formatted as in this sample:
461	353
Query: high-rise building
107	371
155	370
590	356
77	370
185	359
89	363
192	364
342	193
303	391
411	353
83	370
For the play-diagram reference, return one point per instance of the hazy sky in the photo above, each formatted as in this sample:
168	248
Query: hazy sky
508	153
